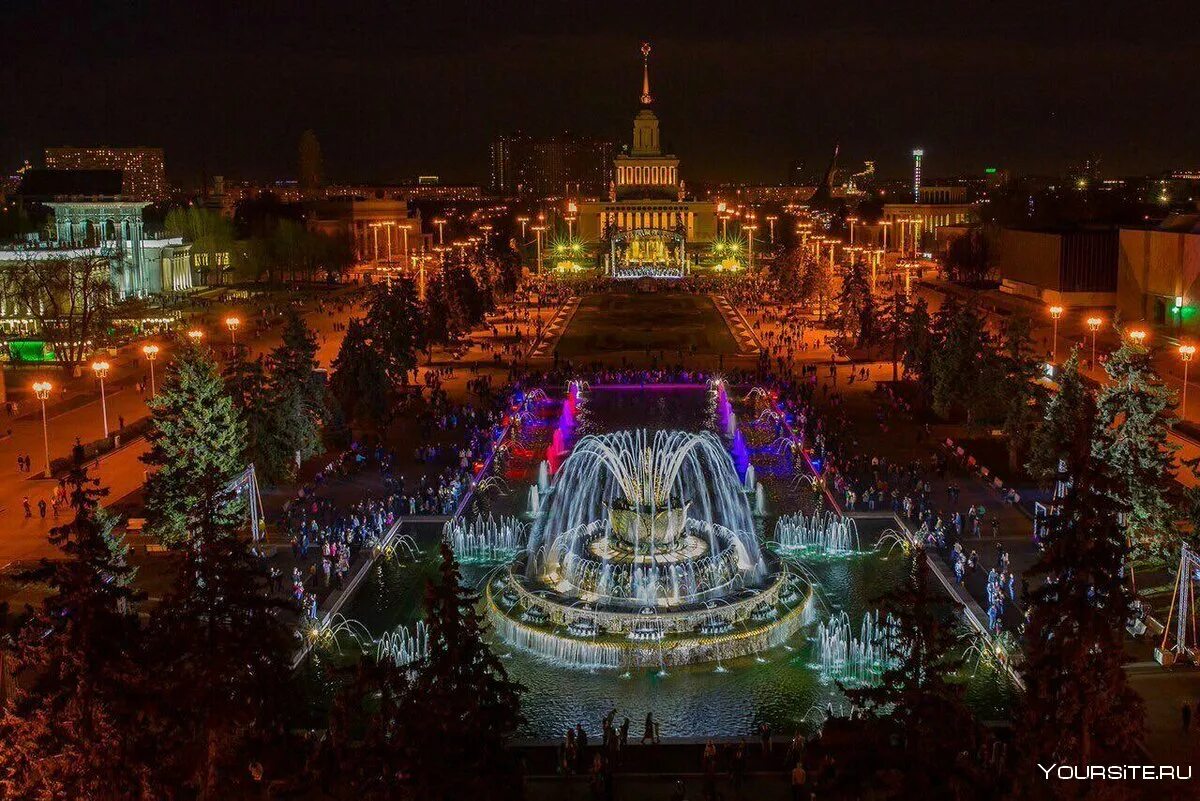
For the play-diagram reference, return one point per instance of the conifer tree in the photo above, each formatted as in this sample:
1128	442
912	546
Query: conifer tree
74	731
1135	413
1078	707
919	347
856	308
443	726
1064	433
196	433
219	650
394	319
297	400
360	381
1020	396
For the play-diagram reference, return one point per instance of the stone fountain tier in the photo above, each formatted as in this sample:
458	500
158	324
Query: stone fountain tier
587	632
646	529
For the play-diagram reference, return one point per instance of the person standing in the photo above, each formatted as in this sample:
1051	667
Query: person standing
799	779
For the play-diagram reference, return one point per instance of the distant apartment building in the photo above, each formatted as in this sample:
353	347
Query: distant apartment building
558	166
143	170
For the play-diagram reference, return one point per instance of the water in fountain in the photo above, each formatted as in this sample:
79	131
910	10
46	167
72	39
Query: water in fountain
535	500
655	490
826	534
485	540
731	426
760	499
751	479
543	477
740	453
402	647
860	660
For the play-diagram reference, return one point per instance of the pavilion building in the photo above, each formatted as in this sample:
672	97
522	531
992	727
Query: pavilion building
647	226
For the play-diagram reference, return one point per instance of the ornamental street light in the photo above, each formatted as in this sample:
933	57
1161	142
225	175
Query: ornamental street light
751	228
41	389
1055	313
233	323
151	352
538	229
1138	336
1186	352
852	220
524	221
441	224
1094	324
101	371
771	218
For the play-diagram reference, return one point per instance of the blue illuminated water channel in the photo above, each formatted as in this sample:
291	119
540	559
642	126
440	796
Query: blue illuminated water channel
782	686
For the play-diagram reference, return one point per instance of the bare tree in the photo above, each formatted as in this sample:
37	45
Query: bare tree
69	297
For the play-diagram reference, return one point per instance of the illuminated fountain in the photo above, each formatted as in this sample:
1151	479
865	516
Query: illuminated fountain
823	534
485	540
644	553
856	660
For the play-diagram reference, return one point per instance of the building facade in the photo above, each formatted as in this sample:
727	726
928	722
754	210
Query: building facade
647	226
1068	267
143	169
381	231
1158	274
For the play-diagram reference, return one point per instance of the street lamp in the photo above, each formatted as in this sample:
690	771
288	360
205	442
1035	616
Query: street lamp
1186	352
101	371
751	228
1138	336
524	221
1055	313
771	218
151	352
1094	324
41	389
441	224
233	323
538	229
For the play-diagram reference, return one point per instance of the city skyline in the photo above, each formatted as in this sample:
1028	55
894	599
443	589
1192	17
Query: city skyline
427	92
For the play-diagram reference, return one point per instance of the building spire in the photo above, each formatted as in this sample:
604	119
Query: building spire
647	99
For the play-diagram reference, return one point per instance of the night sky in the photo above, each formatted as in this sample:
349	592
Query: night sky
397	89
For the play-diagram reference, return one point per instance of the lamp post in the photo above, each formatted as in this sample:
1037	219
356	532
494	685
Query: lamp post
41	389
1138	336
486	229
441	224
524	221
751	228
1094	324
233	323
1186	352
151	352
537	230
1055	313
771	218
852	220
101	371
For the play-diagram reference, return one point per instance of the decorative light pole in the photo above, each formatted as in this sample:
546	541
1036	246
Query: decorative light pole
151	352
101	371
1094	324
1055	313
771	218
751	228
41	389
524	221
441	224
852	220
1186	352
537	230
233	323
196	335
1138	336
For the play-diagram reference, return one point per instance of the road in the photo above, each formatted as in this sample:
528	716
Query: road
121	471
